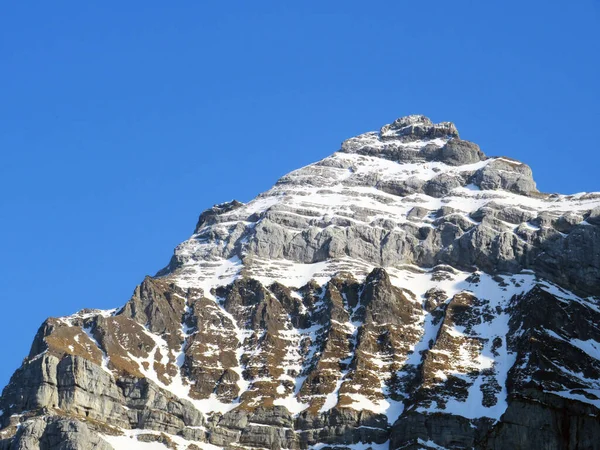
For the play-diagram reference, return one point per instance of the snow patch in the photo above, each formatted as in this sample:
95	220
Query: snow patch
129	441
105	359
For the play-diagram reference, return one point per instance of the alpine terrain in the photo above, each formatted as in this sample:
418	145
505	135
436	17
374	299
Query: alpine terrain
406	292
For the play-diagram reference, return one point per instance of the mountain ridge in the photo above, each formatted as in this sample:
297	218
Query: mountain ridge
376	297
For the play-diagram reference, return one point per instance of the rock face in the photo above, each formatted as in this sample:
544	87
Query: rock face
406	292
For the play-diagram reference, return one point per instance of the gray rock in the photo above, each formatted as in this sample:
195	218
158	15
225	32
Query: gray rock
412	128
594	216
567	222
457	152
410	186
54	433
442	184
444	430
506	174
554	422
417	213
209	216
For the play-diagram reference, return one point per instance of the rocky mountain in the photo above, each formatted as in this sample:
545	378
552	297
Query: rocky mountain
406	292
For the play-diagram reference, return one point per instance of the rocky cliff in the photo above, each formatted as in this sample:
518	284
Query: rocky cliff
406	292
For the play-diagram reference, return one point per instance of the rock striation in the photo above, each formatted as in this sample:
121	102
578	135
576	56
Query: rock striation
406	292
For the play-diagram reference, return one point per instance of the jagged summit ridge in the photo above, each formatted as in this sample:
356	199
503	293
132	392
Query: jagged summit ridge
416	139
415	128
389	203
406	292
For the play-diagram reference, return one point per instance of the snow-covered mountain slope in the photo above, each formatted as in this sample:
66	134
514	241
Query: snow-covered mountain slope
405	292
388	202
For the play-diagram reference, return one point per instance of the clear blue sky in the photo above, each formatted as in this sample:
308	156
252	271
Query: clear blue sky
121	121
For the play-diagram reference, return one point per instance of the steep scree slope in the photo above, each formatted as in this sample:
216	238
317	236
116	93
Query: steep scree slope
406	292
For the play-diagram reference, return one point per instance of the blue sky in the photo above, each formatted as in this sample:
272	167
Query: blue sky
120	123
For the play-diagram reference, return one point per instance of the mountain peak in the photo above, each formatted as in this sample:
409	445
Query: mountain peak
416	138
417	127
402	285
